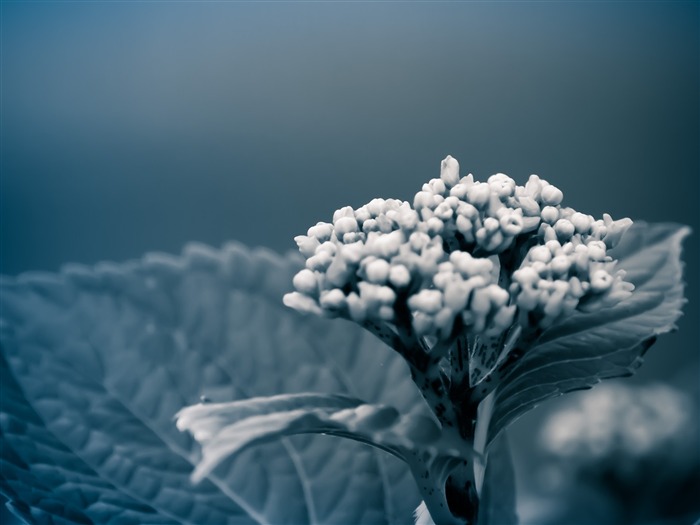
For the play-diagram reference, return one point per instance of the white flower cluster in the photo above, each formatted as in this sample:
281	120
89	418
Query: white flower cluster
613	419
441	259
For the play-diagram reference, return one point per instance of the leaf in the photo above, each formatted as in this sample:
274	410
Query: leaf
588	347
497	503
101	360
226	429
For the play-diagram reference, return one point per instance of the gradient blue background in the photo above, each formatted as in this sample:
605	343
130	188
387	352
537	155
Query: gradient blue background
137	126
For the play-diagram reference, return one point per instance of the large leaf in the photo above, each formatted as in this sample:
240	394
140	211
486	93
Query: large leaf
589	347
226	429
100	360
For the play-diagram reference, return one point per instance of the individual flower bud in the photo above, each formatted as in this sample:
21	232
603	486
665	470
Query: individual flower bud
576	288
385	224
526	276
529	206
530	224
305	282
467	210
551	195
352	253
596	250
501	185
388	245
491	225
533	187
329	247
443	211
423	323
498	296
437	186
598	229
527	298
504	318
444	322
346	211
370	225
399	276
564	229
511	224
307	245
376	207
426	301
481	301
479	194
582	222
459	191
322	231
601	281
465	227
449	171
319	262
356	308
443	280
353	237
453	202
560	264
554	247
332	299
457	295
345	225
555	303
540	253
423	199
418	241
339	273
377	271
547	232
302	303
362	214
407	219
435	226
550	214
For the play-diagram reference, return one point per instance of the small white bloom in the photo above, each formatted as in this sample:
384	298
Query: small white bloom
449	171
305	282
550	214
426	301
377	271
479	194
399	276
345	225
551	195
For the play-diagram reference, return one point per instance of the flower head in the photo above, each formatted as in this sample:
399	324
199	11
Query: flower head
463	256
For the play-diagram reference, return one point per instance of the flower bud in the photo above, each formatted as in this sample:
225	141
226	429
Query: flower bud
560	264
540	253
550	214
426	301
305	282
601	281
322	231
345	225
551	195
529	206
332	299
582	222
449	171
564	229
511	224
376	207
443	211
377	271
479	194
345	211
399	276
307	245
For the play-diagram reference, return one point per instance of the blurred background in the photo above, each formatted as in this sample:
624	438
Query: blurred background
130	127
